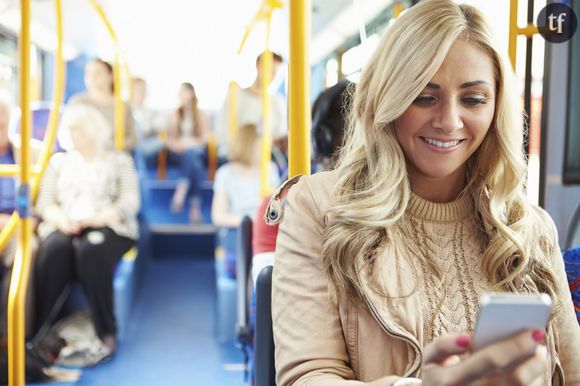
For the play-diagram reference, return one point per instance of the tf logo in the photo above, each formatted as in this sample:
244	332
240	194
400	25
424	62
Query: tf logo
557	22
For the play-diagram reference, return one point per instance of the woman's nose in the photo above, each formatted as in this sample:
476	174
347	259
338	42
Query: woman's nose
448	118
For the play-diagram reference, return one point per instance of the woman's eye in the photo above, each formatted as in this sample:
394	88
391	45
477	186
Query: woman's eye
470	101
424	100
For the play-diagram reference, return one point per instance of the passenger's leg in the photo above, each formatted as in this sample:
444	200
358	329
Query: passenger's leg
192	168
54	270
178	199
97	254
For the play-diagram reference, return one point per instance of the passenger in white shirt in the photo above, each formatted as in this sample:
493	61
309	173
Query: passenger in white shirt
249	110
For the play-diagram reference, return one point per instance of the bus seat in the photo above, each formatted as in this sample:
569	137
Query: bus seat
40	112
225	258
243	265
264	370
572	263
124	289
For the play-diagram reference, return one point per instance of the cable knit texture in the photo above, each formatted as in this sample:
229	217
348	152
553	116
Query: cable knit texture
447	235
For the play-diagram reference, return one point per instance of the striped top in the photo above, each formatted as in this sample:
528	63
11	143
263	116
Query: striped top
81	188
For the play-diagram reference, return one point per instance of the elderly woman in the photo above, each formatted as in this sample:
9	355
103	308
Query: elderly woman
88	203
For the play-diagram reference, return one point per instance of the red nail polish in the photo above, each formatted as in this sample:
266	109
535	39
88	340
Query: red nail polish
538	335
463	341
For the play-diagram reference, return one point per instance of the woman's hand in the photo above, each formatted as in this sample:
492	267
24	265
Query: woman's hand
68	226
105	217
518	360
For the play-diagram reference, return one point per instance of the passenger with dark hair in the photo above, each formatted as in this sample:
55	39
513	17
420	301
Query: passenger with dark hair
329	122
88	203
249	109
187	138
99	82
381	262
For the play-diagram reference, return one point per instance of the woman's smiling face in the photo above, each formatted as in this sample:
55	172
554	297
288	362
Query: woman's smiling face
448	121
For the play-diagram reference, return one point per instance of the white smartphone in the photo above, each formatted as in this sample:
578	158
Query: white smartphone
502	315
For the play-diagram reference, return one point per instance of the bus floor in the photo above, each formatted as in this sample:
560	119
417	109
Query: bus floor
170	338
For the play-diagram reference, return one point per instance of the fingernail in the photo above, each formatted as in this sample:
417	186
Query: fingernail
544	351
463	341
538	335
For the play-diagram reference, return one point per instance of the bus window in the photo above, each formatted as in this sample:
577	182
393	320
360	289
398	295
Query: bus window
572	157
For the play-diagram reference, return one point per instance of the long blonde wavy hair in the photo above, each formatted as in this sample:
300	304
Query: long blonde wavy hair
373	190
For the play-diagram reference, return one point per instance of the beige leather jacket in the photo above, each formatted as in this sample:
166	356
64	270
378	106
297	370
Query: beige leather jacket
376	343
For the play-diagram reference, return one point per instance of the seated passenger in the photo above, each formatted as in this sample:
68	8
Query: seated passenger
380	263
88	203
236	190
100	85
149	122
187	138
35	370
328	125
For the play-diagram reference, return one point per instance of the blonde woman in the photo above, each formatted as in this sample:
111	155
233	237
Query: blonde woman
88	203
380	264
237	183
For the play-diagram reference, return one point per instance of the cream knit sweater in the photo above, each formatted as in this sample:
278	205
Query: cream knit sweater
448	235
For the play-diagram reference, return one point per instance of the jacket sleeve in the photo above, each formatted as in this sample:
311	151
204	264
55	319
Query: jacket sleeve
308	335
567	326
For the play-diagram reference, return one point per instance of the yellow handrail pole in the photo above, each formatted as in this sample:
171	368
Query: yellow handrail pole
264	13
8	229
299	88
266	157
211	156
232	110
7	170
50	136
397	9
21	268
119	105
513	33
57	97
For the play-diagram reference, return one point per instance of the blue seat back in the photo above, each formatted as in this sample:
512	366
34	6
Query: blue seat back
264	369
572	263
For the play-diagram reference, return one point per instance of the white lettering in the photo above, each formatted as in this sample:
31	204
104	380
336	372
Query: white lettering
552	18
561	21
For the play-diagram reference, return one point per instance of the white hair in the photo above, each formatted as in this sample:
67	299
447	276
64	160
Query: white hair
90	120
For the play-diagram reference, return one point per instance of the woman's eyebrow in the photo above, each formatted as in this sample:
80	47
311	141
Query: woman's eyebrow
474	83
464	85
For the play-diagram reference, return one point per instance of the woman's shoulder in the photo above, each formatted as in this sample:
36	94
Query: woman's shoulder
319	189
225	168
81	97
545	225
